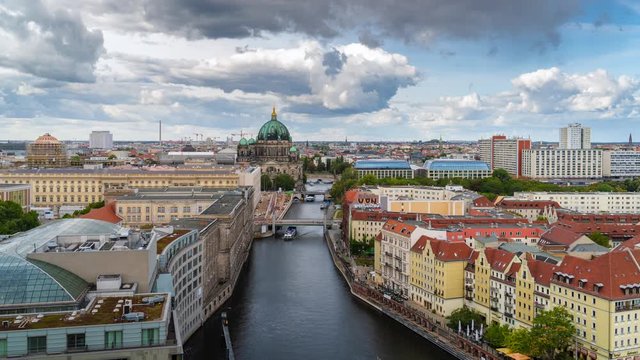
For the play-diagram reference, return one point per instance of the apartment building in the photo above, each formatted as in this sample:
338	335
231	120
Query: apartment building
575	136
437	274
501	153
589	202
621	164
17	193
562	163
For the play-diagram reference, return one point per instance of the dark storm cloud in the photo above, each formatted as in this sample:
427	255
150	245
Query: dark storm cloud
414	21
333	61
50	44
368	39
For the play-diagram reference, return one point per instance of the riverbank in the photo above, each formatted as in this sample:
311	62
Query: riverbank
437	333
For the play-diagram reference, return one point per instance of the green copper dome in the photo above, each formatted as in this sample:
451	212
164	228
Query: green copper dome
293	149
251	141
243	142
274	130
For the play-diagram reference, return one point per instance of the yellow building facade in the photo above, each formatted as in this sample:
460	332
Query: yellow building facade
57	187
440	207
437	274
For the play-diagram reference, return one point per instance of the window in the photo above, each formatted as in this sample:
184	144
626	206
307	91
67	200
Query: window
113	339
150	337
76	342
3	348
36	344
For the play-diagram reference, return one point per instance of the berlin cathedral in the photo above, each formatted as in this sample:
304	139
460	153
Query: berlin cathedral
272	150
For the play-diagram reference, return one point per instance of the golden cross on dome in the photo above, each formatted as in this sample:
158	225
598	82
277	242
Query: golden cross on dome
273	113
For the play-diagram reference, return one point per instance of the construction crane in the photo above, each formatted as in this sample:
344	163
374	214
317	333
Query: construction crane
242	134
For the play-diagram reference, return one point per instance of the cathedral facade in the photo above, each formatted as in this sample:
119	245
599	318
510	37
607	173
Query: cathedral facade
272	150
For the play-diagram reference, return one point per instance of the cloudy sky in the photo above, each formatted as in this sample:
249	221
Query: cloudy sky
362	69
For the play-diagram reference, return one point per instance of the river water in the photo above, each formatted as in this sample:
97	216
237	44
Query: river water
291	303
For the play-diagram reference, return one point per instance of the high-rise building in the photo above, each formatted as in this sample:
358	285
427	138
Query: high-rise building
47	152
100	140
502	153
562	163
575	136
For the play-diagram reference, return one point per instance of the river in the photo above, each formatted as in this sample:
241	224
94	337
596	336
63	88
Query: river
291	303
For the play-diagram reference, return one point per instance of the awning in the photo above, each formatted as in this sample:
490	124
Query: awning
504	350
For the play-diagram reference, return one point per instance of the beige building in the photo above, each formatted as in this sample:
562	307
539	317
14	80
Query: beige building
562	163
57	187
440	207
589	202
17	193
161	206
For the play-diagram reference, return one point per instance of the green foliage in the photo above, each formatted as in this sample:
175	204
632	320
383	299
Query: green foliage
600	239
284	182
502	175
496	335
359	248
265	183
112	157
464	316
94	205
346	182
13	219
549	337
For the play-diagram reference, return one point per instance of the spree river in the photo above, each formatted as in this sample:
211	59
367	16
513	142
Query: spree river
291	303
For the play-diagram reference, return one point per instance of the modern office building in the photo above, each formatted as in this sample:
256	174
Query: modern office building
18	193
501	153
455	168
70	186
47	152
621	164
562	163
384	168
589	202
575	136
100	140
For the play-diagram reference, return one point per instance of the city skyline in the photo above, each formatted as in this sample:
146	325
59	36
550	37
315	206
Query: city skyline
415	71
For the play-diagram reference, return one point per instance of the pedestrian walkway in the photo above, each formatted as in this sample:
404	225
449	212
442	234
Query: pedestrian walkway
430	326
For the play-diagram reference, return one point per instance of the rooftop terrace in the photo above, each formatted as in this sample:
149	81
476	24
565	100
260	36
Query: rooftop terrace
101	311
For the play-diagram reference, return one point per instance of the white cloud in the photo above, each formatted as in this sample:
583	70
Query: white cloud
25	89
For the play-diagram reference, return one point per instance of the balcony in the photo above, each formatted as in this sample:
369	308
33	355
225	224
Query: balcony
388	254
469	297
508	314
627	305
539	305
398	257
509	295
494	307
469	287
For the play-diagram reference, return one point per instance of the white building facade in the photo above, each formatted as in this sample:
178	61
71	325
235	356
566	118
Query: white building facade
621	163
100	140
591	202
562	163
575	136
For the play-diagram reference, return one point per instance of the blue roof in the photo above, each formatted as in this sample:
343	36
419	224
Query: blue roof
382	164
454	164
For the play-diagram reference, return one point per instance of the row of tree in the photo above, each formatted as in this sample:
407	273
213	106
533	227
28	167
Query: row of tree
500	183
550	336
281	181
13	219
315	164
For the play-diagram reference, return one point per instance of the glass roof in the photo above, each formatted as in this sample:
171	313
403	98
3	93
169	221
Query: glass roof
382	164
32	282
454	164
24	243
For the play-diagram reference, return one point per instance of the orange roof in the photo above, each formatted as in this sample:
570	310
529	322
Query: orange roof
399	227
498	258
350	196
47	139
541	271
105	213
442	249
606	276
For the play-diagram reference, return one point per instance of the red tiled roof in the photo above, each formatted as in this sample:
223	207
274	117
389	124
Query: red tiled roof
105	213
350	196
559	235
498	258
450	251
419	246
482	201
379	237
629	244
610	273
541	271
528	204
399	227
513	269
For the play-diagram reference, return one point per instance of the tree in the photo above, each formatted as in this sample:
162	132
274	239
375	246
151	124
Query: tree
502	175
368	179
112	157
265	183
464	316
496	335
549	337
284	182
13	219
600	239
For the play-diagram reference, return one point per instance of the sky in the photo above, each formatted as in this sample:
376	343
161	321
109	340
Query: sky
397	70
